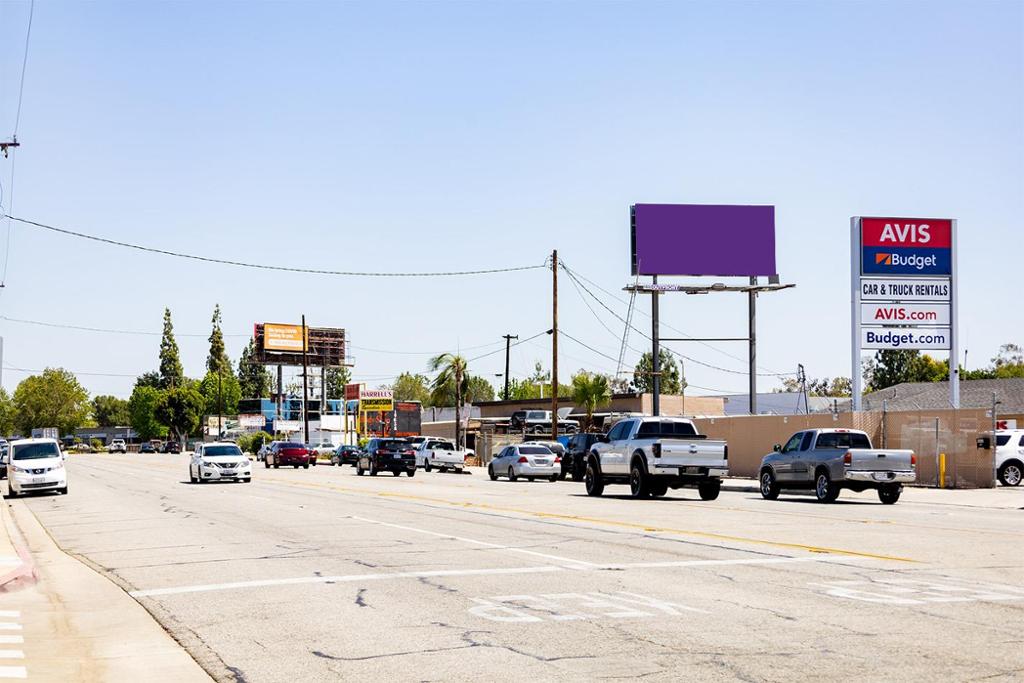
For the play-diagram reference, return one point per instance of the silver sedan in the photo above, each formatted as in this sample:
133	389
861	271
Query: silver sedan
528	460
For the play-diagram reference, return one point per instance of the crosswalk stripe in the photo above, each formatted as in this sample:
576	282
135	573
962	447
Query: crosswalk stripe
13	672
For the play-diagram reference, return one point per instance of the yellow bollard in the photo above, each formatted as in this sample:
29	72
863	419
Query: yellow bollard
942	470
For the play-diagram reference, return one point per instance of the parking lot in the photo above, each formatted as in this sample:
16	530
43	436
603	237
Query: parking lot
318	574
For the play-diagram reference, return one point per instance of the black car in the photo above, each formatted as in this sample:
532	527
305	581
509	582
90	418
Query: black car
576	454
346	455
147	448
171	447
387	455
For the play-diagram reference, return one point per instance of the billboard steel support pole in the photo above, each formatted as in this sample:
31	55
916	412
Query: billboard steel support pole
856	388
305	384
655	355
752	304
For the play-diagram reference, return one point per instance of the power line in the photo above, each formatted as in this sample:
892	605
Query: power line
24	63
82	328
73	372
264	266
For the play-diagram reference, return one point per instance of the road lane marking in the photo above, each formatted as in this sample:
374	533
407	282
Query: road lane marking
898	590
496	546
13	672
553	607
544	569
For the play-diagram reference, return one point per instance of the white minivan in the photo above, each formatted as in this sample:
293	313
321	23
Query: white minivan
36	465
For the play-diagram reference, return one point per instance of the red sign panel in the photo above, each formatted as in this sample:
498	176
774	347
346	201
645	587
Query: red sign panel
927	233
352	392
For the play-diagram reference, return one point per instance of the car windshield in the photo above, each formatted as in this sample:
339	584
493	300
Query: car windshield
843	440
1002	439
36	451
289	444
534	450
214	451
665	430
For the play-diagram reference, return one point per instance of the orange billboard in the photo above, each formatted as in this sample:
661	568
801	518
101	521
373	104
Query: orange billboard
277	337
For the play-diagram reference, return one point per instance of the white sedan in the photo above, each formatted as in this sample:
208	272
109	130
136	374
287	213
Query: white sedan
525	460
219	461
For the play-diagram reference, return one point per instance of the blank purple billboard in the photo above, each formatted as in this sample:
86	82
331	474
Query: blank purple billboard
697	239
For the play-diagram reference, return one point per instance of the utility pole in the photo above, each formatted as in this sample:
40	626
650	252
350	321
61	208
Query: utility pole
508	348
655	354
554	344
802	377
752	299
220	401
305	383
458	404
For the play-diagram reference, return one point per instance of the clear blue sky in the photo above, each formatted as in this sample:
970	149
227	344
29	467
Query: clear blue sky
439	136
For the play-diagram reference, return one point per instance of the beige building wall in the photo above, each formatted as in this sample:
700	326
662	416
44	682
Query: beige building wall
621	403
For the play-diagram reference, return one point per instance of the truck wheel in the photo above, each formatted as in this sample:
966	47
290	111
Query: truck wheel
769	487
426	465
1010	473
709	489
638	484
397	473
889	493
593	480
491	474
824	490
511	473
659	489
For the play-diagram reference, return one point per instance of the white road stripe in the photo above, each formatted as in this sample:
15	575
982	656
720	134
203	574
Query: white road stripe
13	672
11	640
496	546
12	654
356	578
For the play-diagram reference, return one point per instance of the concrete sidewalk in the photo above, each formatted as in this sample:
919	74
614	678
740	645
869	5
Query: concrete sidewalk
62	621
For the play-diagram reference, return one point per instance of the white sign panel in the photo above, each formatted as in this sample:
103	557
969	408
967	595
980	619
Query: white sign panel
904	289
904	314
929	339
254	421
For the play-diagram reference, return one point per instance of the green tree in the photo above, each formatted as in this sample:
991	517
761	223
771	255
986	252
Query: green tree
7	413
217	360
479	390
643	374
891	367
590	391
216	388
452	372
52	399
181	410
837	387
149	379
1009	362
412	387
142	411
336	379
254	380
110	411
171	373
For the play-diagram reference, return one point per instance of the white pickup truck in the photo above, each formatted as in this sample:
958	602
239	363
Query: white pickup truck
828	460
653	454
440	454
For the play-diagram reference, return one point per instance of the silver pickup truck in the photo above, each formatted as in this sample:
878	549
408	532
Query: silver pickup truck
653	454
829	460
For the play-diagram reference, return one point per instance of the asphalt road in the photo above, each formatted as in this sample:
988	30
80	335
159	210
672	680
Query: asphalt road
319	574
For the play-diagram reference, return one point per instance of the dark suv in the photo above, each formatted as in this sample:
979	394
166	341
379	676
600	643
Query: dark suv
387	455
287	453
576	454
345	455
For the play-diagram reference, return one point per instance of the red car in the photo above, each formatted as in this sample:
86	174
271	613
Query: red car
288	453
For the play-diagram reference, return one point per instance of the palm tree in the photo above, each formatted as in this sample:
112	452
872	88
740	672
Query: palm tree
452	374
590	391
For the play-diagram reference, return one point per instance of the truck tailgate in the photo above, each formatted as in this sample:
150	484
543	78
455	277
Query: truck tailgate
692	453
879	460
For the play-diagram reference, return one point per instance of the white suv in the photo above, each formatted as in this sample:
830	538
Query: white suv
219	461
36	465
1010	456
118	446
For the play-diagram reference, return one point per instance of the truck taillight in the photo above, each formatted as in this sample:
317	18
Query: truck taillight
522	459
848	458
913	460
656	449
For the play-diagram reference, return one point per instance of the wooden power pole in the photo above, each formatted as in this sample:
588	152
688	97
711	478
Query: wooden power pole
554	344
508	349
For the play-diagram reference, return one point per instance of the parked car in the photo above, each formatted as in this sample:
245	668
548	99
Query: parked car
287	453
171	447
83	447
654	454
147	447
220	461
36	465
387	455
5	449
324	449
345	455
829	460
539	422
440	454
1010	456
117	446
261	455
530	460
575	459
558	449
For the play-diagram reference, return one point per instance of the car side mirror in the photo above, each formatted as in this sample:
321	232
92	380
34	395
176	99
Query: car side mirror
777	448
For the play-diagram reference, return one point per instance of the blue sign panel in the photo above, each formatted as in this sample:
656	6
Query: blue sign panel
905	261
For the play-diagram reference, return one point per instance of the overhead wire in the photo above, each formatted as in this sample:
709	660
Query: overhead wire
13	150
265	266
